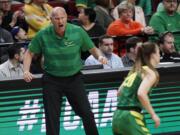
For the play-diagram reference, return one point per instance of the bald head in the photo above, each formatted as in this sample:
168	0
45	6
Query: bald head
59	19
57	10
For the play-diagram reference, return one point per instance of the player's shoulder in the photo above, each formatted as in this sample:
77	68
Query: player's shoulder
149	72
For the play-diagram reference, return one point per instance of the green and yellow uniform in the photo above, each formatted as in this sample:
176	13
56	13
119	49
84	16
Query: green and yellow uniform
127	119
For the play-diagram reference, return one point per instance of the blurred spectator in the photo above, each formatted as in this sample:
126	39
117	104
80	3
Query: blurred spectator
11	19
146	6
106	48
21	22
37	15
178	9
131	49
166	43
125	26
103	16
81	4
138	15
87	18
13	67
19	34
5	6
161	7
167	20
5	37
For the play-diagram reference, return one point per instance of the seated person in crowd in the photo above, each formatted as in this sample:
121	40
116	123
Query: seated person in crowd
103	16
21	21
131	47
125	26
13	67
19	34
106	48
37	14
91	3
160	7
167	20
11	19
87	18
138	13
5	37
82	4
146	5
166	43
178	8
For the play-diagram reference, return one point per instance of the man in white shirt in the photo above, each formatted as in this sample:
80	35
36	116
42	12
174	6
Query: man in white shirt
106	48
13	67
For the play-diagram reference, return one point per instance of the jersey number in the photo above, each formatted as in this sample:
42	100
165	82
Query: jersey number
129	80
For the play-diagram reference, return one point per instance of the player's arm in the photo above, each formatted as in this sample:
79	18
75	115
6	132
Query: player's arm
119	90
148	81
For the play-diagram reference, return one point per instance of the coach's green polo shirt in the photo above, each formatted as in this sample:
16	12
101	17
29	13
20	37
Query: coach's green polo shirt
62	55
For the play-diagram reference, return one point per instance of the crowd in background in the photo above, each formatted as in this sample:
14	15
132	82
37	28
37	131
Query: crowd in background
117	27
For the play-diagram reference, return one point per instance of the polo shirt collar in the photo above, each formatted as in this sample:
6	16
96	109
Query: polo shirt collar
11	66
